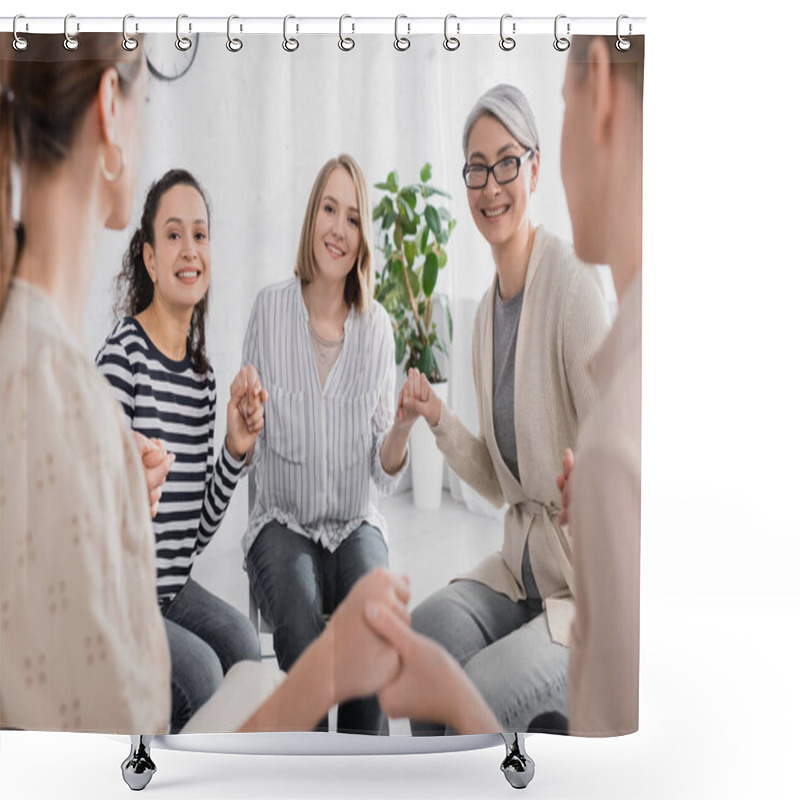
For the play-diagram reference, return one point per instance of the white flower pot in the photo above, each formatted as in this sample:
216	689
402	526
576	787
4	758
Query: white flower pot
427	462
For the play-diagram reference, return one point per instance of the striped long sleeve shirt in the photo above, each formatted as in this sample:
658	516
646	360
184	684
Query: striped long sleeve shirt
169	400
320	447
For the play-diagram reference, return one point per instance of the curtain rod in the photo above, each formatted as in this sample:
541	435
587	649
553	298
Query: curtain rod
349	25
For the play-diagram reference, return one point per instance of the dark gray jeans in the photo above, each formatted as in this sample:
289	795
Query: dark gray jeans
295	581
206	637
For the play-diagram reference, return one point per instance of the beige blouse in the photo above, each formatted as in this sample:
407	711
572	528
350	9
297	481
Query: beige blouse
563	320
82	641
605	513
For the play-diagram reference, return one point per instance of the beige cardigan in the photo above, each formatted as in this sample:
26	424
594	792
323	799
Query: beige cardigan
564	319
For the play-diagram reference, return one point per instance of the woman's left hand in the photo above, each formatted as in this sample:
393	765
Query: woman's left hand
245	412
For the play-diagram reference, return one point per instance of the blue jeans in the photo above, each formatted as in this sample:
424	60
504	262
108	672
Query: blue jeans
504	647
206	637
295	581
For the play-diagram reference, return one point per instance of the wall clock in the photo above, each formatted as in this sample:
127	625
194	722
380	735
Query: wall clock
164	60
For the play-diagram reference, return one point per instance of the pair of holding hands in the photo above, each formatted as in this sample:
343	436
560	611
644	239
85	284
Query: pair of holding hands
376	651
417	399
245	419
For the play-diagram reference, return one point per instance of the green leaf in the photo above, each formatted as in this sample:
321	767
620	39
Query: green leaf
430	274
449	317
397	268
405	208
410	252
427	363
391	181
434	223
427	191
414	281
409	225
442	257
409	195
445	214
389	219
425	173
384	187
423	243
399	348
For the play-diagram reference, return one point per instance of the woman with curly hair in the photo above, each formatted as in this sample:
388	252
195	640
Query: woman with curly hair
155	360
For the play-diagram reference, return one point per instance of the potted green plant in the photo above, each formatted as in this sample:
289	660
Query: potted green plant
414	233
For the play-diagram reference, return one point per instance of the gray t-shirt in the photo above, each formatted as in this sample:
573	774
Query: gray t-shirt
506	325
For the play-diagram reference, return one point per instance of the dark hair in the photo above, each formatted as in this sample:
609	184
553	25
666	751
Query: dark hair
629	63
134	286
44	94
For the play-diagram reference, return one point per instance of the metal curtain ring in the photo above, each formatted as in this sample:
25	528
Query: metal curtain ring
346	43
19	42
401	42
451	42
234	45
290	44
182	42
561	43
507	42
622	44
128	42
70	42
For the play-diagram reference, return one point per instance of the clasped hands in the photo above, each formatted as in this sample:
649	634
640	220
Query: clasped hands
375	651
245	419
417	399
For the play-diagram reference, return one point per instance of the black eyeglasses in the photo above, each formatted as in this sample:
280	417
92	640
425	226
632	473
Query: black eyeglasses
476	176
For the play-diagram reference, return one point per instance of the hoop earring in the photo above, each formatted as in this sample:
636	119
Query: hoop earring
107	174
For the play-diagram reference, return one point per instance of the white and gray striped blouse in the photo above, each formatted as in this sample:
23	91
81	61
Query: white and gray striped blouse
319	447
169	400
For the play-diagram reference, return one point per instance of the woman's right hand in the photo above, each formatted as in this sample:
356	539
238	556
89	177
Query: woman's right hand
363	662
562	481
156	462
430	685
418	399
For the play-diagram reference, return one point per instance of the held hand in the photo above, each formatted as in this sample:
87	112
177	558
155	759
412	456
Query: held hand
245	412
364	662
430	685
563	483
417	400
156	463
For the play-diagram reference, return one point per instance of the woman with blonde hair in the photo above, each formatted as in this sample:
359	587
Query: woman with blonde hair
325	353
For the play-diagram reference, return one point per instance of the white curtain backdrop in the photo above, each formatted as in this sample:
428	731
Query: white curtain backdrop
255	127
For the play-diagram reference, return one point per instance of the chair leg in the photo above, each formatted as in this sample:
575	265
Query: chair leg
517	766
138	768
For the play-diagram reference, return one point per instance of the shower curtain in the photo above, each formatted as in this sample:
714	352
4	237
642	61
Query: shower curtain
254	124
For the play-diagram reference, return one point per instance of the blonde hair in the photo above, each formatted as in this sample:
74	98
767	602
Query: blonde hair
359	284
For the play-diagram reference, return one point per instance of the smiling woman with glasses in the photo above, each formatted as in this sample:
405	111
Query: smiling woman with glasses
508	621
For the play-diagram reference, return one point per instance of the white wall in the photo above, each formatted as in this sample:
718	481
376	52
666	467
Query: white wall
254	127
